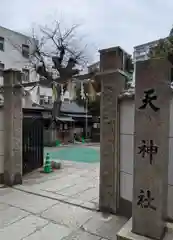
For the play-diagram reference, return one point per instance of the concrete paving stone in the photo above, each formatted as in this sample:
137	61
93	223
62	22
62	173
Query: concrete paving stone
81	235
4	191
53	195
22	228
88	173
105	226
58	187
68	215
3	206
44	193
90	205
29	188
93	183
76	201
10	215
85	173
62	183
51	231
75	189
95	200
28	202
87	195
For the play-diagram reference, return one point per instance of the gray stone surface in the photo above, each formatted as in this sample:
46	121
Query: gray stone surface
126	233
12	128
3	206
74	189
81	235
151	175
22	228
29	202
91	205
51	231
68	215
87	195
10	215
104	226
81	187
28	216
112	83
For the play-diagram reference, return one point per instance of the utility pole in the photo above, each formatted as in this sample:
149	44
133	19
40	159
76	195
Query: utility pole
86	117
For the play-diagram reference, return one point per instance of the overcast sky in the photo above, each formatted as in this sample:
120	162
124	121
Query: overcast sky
106	23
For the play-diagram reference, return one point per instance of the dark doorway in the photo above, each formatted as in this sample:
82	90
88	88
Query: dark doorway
32	140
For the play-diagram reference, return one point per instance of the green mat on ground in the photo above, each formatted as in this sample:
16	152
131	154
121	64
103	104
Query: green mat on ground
76	154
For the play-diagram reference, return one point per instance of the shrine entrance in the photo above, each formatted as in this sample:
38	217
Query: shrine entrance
32	140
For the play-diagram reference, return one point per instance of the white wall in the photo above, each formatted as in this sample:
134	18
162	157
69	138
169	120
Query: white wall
1	140
42	91
12	55
126	148
127	110
45	91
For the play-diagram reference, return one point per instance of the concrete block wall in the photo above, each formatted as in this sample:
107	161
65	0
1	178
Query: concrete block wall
127	109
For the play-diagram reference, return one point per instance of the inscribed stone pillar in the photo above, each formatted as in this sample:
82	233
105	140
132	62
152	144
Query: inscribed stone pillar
151	148
12	128
112	83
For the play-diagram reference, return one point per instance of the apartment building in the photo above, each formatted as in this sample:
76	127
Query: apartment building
15	50
123	61
141	51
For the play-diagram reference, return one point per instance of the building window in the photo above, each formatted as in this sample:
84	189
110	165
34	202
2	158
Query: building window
25	74
25	51
45	100
1	44
50	100
41	99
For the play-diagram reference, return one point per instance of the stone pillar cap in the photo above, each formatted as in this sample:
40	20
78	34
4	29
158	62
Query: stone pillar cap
112	49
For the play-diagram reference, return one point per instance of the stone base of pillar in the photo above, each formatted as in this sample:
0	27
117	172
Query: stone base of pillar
126	233
107	209
11	179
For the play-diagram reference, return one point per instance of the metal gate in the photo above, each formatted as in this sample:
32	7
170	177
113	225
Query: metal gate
32	141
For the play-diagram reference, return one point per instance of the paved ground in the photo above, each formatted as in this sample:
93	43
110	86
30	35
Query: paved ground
57	206
61	206
75	183
26	216
79	153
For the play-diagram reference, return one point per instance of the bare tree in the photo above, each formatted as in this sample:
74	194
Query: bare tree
57	58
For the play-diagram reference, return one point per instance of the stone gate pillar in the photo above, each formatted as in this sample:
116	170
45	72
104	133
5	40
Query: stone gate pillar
151	151
112	83
12	128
